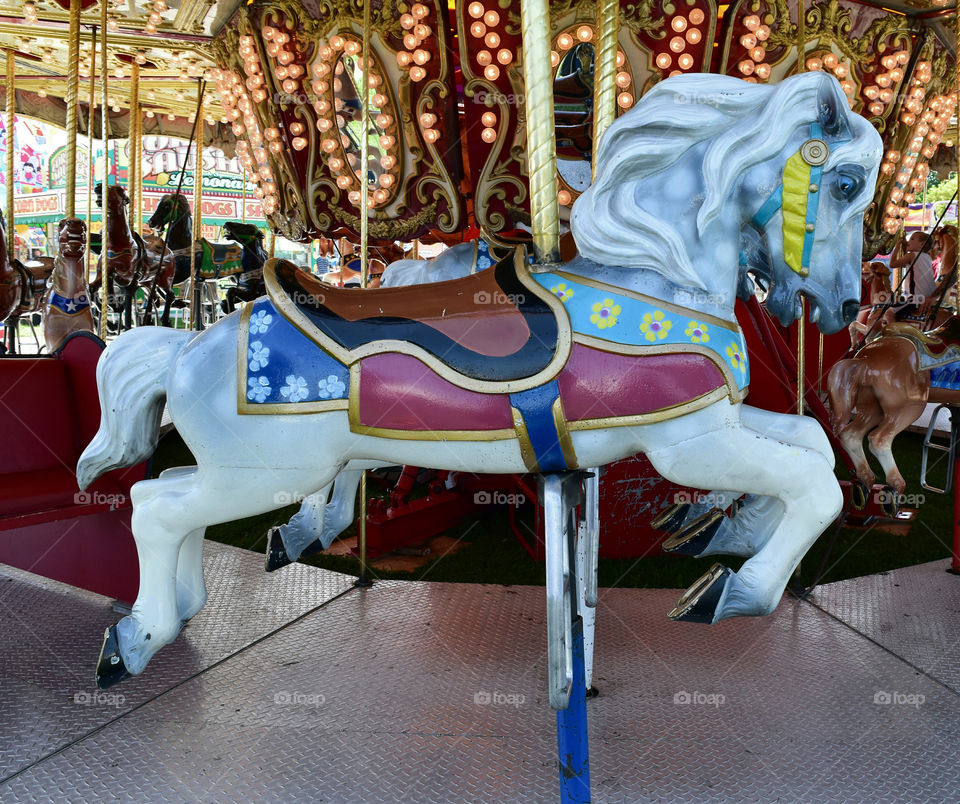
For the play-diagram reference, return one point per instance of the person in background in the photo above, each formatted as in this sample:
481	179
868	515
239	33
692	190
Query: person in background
920	286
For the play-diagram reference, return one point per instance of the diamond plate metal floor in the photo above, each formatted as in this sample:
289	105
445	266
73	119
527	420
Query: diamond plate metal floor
50	636
419	692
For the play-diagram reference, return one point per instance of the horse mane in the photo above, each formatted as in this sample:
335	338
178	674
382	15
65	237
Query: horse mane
740	123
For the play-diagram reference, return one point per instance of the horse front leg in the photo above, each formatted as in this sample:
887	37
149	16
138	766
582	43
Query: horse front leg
700	528
736	458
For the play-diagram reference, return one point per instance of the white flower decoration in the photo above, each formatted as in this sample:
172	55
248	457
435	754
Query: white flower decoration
258	388
259	356
260	322
483	263
332	387
295	389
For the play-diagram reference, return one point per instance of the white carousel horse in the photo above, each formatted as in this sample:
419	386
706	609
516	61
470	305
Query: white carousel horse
698	527
658	234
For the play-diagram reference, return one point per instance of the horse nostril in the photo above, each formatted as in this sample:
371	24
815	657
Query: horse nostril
850	310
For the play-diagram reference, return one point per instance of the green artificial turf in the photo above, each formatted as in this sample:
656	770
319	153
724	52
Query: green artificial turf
489	553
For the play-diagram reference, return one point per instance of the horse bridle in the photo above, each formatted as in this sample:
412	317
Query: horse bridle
798	195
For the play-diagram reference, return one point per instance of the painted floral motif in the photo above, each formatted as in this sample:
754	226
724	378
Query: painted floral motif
258	389
295	389
605	314
332	387
697	332
260	322
259	356
563	293
736	358
655	326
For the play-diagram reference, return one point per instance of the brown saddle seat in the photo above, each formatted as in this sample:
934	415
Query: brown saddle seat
935	342
497	326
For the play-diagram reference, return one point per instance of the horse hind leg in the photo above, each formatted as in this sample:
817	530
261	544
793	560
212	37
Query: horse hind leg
881	442
869	414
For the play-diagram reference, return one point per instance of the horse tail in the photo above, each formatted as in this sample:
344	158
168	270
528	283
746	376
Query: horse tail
132	384
843	384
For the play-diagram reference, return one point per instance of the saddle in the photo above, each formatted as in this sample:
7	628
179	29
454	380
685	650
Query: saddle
495	331
936	347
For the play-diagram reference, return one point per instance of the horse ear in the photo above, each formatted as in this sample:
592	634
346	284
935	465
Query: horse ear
831	114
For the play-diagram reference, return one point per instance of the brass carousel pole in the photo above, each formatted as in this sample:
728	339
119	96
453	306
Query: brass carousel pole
133	147
243	198
363	579
91	114
105	209
73	102
11	121
195	285
541	142
605	72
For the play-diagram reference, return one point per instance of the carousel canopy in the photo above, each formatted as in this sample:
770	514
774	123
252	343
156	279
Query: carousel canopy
447	140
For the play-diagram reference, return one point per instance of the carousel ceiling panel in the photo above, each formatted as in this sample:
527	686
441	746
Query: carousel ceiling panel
656	40
291	82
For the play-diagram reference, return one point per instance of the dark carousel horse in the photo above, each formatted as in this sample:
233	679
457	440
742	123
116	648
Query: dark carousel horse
242	259
132	263
21	289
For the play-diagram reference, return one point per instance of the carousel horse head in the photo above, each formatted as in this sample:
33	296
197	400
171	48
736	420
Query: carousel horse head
72	240
247	234
116	193
789	159
171	207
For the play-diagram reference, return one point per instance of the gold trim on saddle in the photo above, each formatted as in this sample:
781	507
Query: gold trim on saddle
351	356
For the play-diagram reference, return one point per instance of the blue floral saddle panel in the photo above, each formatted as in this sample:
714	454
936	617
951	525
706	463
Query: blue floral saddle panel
946	377
279	365
635	320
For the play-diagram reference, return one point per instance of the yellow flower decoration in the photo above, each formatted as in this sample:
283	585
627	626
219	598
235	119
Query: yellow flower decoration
737	359
697	332
562	292
654	326
605	313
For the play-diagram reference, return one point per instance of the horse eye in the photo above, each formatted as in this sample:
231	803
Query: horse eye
846	187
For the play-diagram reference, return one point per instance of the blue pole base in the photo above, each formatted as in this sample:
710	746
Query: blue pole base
572	743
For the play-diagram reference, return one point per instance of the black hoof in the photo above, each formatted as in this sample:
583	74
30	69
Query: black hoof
276	553
593	692
692	539
110	668
699	603
671	518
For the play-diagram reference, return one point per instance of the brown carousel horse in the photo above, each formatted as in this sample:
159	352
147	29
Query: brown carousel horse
132	263
21	289
886	386
66	307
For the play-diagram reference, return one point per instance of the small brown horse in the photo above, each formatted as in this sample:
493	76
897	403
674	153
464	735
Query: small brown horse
21	289
885	388
66	307
130	261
